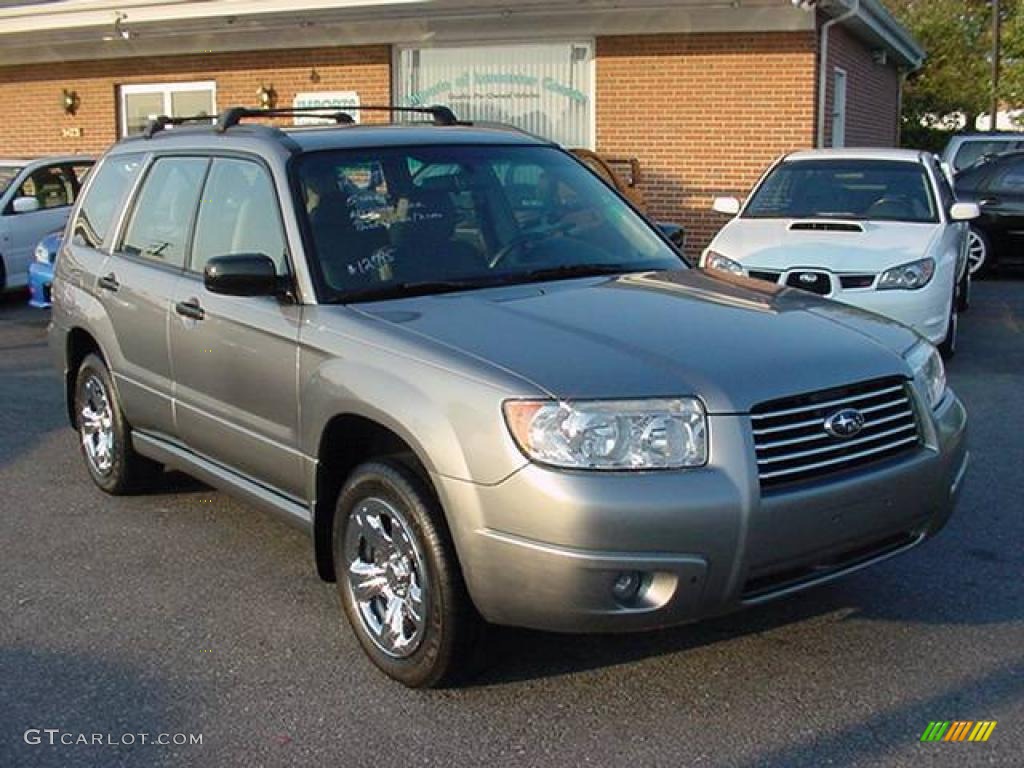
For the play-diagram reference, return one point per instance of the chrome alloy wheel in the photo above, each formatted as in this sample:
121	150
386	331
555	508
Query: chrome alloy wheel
386	576
977	252
96	425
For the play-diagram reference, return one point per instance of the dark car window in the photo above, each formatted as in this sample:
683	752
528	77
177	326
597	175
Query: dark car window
8	173
160	224
112	183
881	190
239	214
973	150
1009	180
475	215
53	186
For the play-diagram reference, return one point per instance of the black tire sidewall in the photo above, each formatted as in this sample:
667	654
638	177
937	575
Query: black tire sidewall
448	627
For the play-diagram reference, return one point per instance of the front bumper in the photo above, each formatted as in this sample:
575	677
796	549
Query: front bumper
543	548
40	284
925	310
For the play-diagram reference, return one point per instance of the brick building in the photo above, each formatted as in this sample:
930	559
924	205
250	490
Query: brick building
704	93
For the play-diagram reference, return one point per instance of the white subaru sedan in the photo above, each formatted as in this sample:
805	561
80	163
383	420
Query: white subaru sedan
875	228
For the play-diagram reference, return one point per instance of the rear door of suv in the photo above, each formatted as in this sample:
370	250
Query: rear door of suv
235	358
136	285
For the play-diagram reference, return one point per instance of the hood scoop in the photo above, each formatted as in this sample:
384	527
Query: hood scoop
824	226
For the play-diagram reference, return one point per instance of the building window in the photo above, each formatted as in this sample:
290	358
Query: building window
141	103
543	88
839	108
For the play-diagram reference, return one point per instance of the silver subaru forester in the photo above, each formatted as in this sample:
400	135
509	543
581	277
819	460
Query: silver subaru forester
490	389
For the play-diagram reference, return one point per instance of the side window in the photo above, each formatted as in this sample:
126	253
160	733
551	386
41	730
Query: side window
51	186
101	205
160	224
1010	180
238	214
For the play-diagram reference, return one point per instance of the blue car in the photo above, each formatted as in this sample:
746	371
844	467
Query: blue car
40	271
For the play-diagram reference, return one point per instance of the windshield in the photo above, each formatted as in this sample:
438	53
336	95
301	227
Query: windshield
7	174
399	221
971	152
845	189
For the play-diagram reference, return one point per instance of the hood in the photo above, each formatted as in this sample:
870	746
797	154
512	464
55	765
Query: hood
734	342
774	244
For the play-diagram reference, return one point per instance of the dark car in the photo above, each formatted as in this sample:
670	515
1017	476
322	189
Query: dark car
997	185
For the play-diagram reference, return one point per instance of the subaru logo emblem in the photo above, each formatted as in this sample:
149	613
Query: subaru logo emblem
845	423
808	277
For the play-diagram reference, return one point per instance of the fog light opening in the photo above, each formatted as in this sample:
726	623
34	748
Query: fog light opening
629	586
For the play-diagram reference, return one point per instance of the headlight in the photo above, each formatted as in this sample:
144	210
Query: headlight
908	277
611	434
715	260
42	254
929	372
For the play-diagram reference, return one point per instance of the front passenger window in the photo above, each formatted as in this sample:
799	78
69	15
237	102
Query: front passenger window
162	218
238	215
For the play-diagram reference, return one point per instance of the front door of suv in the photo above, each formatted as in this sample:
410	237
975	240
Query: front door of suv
137	282
235	358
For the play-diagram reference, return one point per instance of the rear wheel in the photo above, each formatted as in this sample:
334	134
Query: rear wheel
399	578
979	252
104	435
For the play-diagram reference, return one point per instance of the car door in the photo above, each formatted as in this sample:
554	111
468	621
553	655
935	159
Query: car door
137	284
235	358
54	188
1001	200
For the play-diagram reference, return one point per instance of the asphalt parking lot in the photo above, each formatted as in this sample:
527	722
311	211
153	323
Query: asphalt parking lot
185	611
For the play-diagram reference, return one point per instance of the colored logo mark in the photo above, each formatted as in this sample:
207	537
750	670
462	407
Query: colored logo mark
958	730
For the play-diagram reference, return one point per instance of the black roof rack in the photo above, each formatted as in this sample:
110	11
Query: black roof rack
232	116
158	123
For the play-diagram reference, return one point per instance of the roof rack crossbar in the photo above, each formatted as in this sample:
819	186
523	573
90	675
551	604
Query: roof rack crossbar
232	116
156	124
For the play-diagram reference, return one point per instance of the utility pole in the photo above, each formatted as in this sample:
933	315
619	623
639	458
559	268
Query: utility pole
996	25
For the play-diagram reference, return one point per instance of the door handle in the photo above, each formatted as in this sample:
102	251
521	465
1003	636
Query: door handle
109	282
190	309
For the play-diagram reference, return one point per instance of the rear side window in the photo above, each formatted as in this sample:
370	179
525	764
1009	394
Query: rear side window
161	222
52	186
239	214
971	152
103	201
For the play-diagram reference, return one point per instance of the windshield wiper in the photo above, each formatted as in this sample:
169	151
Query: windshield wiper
567	271
411	288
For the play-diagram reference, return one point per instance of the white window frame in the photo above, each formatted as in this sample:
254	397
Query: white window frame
163	88
839	107
396	64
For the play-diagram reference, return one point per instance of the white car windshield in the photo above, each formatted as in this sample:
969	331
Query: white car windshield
881	190
392	222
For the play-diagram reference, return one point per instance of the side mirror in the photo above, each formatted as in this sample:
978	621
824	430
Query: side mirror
673	232
25	205
964	211
243	274
730	206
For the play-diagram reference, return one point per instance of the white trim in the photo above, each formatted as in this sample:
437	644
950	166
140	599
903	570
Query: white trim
166	89
837	74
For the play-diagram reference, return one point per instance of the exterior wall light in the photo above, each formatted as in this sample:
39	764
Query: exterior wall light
69	101
266	96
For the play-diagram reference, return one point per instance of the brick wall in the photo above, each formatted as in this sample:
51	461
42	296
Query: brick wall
705	114
872	93
32	94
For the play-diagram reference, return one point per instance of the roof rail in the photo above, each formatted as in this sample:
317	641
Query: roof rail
156	124
232	116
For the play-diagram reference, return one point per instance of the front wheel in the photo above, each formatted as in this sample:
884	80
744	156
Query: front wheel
399	578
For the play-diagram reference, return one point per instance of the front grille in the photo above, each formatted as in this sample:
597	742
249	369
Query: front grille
808	280
792	443
856	281
764	274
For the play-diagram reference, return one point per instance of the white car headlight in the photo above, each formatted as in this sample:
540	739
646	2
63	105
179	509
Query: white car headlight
611	434
715	260
929	372
907	277
42	254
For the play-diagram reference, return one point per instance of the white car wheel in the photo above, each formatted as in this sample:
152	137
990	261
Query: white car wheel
977	252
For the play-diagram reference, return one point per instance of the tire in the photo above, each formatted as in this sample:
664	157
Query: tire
947	347
393	556
104	436
963	296
979	253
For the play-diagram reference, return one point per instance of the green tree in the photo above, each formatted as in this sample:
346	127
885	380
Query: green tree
955	82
